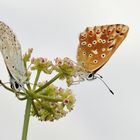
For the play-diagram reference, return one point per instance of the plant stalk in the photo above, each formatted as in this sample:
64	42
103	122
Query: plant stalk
26	119
49	82
36	79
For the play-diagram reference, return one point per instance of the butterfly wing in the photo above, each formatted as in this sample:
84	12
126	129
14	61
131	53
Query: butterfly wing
97	44
11	51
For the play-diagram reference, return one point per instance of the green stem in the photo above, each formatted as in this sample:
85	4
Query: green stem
49	82
28	86
26	119
36	79
25	64
35	109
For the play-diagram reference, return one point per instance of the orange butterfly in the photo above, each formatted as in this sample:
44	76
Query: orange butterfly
97	45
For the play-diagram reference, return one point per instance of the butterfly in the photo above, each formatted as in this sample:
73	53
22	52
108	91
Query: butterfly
96	46
12	55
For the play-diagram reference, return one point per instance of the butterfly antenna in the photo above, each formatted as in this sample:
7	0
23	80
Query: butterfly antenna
105	84
5	83
99	75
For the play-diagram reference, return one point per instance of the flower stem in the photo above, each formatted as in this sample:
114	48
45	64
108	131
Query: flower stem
26	119
49	82
36	79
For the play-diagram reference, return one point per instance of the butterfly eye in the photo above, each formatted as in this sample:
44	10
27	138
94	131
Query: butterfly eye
119	28
89	45
95	61
100	40
112	36
94	42
104	28
124	30
103	41
84	53
90	76
103	55
109	31
82	63
98	30
90	31
83	43
90	55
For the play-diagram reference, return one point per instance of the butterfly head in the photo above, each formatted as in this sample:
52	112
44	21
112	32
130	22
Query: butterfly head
84	75
90	76
17	83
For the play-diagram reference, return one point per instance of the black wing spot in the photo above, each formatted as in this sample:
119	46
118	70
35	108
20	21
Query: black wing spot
110	39
111	46
14	38
6	57
121	34
11	85
16	85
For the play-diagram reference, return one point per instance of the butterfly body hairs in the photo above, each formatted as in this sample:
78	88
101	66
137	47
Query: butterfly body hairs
12	55
96	46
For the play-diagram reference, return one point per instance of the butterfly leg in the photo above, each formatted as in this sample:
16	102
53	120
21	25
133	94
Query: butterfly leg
20	97
76	82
